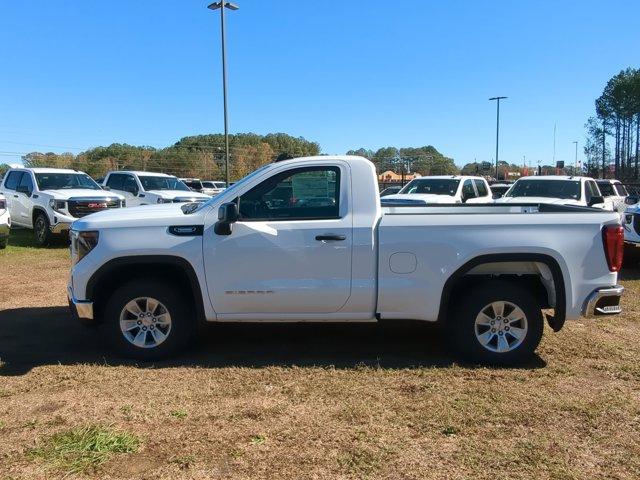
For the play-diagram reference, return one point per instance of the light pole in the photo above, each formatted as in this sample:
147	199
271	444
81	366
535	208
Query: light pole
222	4
497	127
575	163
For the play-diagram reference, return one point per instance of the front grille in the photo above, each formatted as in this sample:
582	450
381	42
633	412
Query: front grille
636	223
82	208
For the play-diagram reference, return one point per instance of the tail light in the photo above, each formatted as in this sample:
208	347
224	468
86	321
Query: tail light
613	240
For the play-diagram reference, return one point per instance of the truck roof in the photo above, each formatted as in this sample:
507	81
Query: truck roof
47	170
555	177
142	174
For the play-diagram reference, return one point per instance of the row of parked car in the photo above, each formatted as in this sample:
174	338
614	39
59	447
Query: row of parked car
607	194
48	200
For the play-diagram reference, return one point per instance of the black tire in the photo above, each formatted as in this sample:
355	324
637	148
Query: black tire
171	297
41	230
463	324
3	243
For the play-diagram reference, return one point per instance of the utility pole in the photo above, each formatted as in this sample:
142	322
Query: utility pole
497	128
575	166
221	5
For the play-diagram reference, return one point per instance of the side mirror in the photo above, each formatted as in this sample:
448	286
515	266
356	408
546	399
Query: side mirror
595	200
227	216
23	189
104	187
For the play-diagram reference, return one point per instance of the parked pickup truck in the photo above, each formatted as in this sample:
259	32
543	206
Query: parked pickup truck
48	200
306	240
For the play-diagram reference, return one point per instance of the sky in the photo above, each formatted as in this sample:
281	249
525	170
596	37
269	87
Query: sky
77	74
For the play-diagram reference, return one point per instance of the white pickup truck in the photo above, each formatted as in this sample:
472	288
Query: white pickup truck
306	240
48	200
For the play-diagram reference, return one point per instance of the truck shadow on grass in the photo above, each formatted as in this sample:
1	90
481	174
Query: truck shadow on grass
31	337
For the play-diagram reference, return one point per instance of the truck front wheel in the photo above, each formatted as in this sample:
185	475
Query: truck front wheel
148	319
499	323
41	231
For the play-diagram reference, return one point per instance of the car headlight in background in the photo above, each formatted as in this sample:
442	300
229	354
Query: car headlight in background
83	243
58	205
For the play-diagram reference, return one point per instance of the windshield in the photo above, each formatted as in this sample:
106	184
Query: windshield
65	181
228	192
565	189
606	189
194	184
434	186
162	183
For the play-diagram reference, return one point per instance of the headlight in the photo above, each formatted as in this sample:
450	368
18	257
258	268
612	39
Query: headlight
84	242
57	205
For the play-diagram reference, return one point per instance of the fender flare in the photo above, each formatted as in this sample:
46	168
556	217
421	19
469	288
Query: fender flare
154	260
556	322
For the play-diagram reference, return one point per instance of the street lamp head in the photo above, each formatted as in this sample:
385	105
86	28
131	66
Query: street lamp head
497	98
217	5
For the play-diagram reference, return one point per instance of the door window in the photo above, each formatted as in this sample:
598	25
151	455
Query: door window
467	190
621	190
115	181
130	185
310	193
591	190
27	182
482	188
12	181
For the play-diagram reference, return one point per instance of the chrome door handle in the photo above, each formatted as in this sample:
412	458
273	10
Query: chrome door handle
322	238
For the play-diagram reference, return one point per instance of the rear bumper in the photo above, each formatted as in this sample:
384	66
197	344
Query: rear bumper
80	309
603	301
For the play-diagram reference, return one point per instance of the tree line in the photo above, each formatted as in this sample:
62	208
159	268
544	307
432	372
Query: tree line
613	134
202	156
423	160
199	156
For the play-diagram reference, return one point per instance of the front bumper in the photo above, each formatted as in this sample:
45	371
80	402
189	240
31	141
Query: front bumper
80	309
603	301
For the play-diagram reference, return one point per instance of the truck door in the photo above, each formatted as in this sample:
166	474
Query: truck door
22	201
290	251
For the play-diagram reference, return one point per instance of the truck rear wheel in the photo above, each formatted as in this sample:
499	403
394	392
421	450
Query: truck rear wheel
498	324
148	319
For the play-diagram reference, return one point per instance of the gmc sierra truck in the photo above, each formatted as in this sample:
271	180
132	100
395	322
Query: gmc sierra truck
306	240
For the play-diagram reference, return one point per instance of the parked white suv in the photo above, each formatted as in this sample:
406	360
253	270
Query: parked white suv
442	189
148	188
557	189
211	187
5	222
614	192
48	200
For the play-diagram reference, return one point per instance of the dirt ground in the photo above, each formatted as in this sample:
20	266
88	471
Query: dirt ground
306	401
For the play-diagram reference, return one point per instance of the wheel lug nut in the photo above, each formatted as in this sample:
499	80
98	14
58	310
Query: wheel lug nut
500	333
506	328
144	329
139	322
493	322
493	330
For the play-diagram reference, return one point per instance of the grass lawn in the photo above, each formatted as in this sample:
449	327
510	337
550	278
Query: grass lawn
306	401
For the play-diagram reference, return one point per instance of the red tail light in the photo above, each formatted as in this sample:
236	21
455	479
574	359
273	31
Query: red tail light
613	240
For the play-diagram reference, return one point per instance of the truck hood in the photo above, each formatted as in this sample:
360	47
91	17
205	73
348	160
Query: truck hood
164	214
80	193
424	197
171	194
